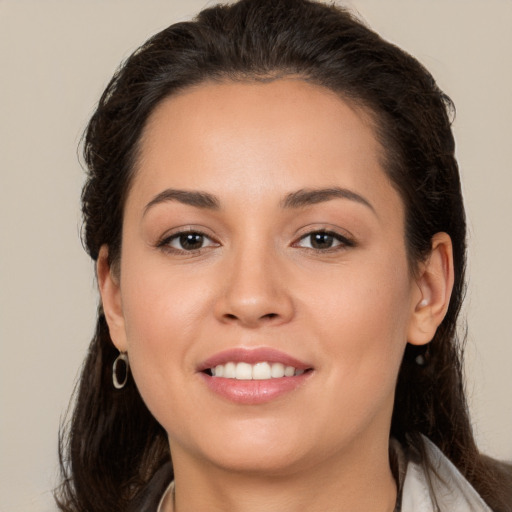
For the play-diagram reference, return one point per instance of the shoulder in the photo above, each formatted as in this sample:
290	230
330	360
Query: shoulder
436	484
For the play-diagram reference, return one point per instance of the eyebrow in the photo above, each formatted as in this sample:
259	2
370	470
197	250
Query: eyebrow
294	200
191	198
307	197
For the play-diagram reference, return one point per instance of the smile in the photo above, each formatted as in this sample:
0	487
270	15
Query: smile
259	371
253	376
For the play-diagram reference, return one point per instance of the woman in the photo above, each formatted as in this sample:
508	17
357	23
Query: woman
274	207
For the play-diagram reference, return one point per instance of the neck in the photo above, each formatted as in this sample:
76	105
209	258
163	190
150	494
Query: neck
359	481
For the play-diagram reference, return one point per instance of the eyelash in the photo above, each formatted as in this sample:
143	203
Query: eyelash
342	242
165	243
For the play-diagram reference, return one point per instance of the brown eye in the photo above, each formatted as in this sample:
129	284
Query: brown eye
191	241
187	241
323	240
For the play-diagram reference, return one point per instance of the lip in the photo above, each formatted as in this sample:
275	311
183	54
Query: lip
253	392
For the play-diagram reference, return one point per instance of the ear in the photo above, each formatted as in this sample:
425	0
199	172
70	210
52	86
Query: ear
109	285
434	289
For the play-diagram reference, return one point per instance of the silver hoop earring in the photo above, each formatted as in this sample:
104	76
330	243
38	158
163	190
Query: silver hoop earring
119	384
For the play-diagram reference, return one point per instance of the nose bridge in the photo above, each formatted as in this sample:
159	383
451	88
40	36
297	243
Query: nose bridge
255	292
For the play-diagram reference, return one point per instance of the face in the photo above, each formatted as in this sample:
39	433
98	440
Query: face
264	296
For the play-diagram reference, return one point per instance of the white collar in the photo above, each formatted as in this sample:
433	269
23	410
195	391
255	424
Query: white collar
168	491
443	488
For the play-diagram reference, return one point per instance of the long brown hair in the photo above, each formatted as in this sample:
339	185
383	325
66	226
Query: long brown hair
113	445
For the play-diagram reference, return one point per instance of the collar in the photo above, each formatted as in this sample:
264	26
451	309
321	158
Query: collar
440	487
169	496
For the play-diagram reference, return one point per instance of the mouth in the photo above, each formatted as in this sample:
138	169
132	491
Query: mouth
254	376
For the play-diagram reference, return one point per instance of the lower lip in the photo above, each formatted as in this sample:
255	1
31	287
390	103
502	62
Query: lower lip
252	392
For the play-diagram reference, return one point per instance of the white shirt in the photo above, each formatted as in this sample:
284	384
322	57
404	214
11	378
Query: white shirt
443	489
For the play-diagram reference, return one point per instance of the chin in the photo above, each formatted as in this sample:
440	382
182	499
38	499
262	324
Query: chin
258	448
255	461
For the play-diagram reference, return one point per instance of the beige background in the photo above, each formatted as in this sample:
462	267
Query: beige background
55	59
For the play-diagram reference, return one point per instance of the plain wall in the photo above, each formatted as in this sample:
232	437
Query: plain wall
56	57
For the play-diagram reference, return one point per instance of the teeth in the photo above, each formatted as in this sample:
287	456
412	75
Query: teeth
243	371
261	371
258	371
229	371
277	370
289	371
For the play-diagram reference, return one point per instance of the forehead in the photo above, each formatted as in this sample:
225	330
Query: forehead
301	106
289	131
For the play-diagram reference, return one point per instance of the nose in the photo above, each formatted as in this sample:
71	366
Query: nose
255	290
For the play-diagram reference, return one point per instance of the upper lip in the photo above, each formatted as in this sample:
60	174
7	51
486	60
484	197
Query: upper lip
252	356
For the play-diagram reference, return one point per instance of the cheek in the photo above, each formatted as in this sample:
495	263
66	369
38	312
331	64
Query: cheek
160	331
363	321
361	325
160	303
161	313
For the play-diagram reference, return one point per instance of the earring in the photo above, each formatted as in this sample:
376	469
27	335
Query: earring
122	357
420	360
423	358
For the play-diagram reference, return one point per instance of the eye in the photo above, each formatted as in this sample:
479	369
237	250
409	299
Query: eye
323	240
187	241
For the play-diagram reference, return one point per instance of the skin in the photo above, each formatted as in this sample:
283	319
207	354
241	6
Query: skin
348	310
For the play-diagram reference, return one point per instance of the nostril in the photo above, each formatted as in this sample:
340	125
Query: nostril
268	316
